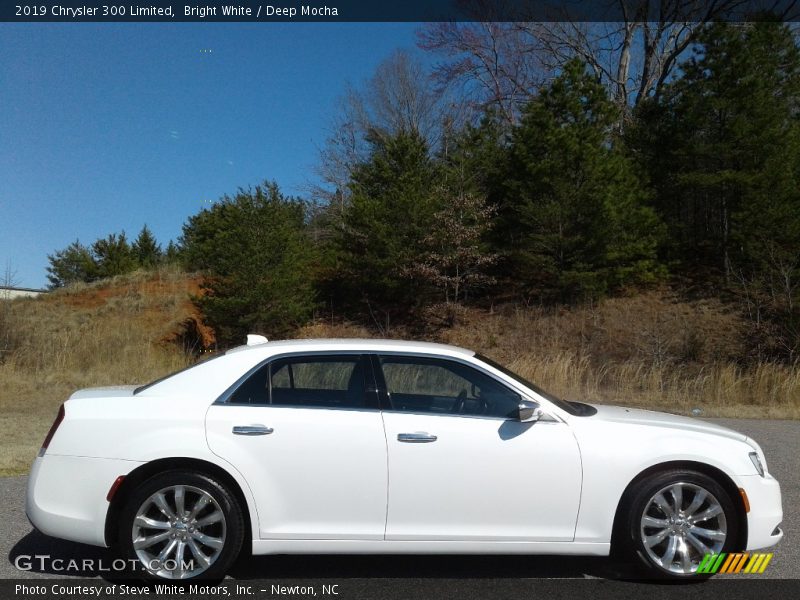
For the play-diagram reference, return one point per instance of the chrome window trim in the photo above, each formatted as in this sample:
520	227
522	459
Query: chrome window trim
546	419
283	406
223	398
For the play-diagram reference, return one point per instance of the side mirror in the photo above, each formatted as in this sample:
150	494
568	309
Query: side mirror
529	412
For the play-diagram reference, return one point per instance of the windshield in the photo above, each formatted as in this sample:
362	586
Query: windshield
563	405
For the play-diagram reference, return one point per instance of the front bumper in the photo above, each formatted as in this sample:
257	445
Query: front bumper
66	496
766	512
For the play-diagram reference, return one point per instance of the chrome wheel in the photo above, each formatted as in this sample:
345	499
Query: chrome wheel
680	524
178	532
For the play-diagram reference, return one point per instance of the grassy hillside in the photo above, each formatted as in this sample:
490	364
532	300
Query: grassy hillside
649	350
127	330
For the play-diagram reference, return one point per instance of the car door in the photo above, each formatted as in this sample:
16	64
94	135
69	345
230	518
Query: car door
462	467
308	437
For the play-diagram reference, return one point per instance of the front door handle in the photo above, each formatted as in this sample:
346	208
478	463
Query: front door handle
419	437
252	430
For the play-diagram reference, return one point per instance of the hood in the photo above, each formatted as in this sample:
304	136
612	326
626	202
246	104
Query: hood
636	416
112	391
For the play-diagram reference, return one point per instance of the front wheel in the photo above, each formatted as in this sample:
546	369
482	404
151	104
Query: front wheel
675	519
181	525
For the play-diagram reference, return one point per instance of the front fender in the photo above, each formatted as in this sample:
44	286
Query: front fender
615	454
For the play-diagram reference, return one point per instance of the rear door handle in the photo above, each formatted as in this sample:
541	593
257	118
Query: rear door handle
418	437
252	430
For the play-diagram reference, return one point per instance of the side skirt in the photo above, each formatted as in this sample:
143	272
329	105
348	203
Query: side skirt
426	547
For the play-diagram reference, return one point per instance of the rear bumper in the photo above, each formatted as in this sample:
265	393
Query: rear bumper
66	496
766	512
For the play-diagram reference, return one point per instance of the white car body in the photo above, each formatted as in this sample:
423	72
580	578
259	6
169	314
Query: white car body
339	481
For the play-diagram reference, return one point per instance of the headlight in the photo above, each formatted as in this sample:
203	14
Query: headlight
757	463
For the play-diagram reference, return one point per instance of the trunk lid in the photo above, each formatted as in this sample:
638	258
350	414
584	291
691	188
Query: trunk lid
112	391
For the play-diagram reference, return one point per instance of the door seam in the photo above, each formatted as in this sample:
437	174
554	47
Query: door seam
388	475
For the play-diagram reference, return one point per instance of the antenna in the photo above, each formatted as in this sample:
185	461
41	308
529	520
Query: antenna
255	339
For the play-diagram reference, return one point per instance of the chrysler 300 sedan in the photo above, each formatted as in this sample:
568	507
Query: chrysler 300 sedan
375	446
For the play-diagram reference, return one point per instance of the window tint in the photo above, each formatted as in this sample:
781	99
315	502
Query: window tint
317	375
254	390
445	387
312	381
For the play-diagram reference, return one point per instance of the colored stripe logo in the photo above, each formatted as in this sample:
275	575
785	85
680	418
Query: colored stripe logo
734	562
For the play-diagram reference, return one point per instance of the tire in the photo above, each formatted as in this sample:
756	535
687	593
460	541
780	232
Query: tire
670	544
209	536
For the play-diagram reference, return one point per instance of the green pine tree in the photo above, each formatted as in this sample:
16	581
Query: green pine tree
113	255
72	264
258	260
574	215
719	144
172	255
390	212
146	250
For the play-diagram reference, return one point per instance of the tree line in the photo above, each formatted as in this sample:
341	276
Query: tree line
107	257
557	187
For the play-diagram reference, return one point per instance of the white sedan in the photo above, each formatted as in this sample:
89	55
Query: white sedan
371	446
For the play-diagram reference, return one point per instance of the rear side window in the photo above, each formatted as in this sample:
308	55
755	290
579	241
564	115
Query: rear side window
307	381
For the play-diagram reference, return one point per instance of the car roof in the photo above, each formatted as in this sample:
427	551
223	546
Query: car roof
352	344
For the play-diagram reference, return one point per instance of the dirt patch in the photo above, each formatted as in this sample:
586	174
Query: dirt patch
154	298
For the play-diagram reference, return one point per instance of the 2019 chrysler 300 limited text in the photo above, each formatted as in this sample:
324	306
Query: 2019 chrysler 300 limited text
361	446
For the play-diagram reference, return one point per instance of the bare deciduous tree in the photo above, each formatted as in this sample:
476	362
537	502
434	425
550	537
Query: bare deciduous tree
8	280
501	64
398	98
451	256
636	55
490	63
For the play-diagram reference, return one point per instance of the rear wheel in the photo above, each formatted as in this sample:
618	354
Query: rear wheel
181	525
677	517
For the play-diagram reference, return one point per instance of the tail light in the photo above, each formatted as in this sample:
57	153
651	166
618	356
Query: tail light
52	432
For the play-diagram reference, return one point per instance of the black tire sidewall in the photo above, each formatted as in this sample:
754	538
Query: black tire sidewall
234	522
646	489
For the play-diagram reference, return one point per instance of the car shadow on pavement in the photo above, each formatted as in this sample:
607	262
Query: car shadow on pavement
432	566
38	553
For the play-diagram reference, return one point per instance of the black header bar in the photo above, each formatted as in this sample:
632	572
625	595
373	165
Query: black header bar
144	11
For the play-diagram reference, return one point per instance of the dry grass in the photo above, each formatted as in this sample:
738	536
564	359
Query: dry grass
721	390
109	333
650	350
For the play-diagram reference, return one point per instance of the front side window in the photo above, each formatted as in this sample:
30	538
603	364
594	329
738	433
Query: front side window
440	386
306	381
569	407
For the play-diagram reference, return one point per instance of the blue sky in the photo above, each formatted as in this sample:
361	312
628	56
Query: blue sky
105	127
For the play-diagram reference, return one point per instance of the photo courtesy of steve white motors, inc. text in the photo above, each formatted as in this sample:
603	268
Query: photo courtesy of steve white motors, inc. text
192	590
196	11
